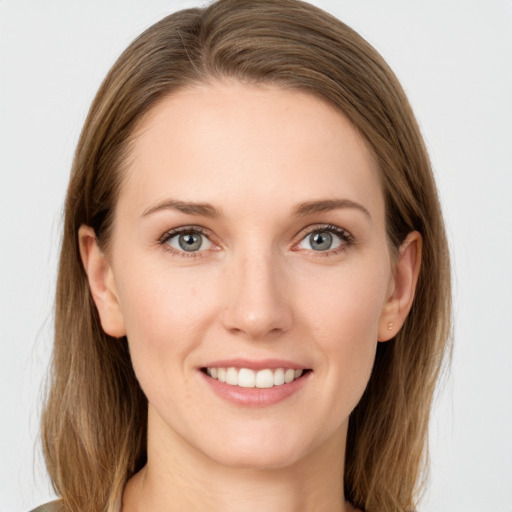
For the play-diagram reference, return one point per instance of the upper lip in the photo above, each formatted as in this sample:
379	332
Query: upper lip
261	364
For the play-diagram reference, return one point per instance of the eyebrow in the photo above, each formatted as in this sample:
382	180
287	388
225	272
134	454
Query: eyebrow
190	208
312	207
301	210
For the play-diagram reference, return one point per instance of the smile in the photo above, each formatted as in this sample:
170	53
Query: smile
247	378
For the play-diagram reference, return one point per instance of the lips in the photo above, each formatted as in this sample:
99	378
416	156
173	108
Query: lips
255	383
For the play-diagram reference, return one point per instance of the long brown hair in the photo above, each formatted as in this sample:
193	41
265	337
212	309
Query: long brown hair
95	419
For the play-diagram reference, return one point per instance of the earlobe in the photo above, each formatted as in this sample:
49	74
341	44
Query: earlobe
101	283
405	278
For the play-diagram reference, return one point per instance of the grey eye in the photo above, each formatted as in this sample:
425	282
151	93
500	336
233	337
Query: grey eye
320	241
191	241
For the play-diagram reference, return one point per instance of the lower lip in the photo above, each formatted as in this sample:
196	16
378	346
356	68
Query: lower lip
256	397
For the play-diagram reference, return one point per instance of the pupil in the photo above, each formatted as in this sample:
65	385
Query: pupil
190	242
321	241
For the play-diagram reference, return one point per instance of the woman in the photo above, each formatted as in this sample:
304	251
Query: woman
253	299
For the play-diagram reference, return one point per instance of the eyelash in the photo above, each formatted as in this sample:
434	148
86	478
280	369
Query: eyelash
164	239
346	238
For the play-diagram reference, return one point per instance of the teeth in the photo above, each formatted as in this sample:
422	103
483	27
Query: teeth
264	379
279	377
289	375
232	376
246	378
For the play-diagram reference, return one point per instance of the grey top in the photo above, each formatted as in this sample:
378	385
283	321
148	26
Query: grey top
53	506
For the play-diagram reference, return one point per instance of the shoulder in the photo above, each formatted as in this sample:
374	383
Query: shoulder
53	506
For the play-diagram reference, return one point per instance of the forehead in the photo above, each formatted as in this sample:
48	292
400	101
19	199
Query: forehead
225	141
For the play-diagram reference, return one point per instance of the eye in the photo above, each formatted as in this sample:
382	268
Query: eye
188	241
326	238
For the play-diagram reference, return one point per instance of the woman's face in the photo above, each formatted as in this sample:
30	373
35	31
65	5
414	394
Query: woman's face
249	243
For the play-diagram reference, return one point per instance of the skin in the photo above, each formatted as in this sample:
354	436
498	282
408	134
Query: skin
257	289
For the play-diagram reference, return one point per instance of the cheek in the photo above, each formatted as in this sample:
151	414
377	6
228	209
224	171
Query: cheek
344	323
166	315
344	306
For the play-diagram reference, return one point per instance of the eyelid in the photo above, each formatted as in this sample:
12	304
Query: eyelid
171	233
184	229
345	236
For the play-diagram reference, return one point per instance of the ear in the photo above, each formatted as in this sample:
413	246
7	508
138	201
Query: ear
101	283
402	287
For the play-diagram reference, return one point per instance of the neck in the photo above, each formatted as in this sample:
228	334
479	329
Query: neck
177	477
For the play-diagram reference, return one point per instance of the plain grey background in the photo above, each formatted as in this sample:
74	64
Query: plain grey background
454	60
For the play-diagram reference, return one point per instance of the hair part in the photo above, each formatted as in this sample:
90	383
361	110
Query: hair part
95	419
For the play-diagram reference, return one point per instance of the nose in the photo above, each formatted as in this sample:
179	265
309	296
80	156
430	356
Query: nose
257	305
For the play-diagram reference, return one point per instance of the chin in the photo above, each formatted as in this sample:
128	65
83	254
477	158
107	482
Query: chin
257	459
266	451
